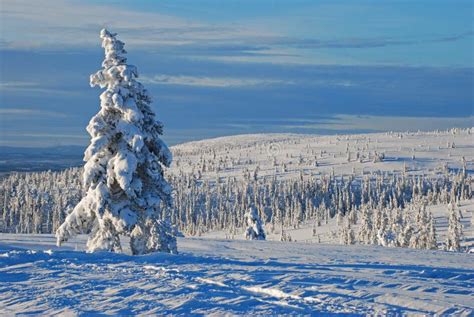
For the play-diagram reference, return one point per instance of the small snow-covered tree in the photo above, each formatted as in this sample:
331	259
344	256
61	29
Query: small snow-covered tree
123	173
432	243
254	229
366	229
347	235
285	236
453	240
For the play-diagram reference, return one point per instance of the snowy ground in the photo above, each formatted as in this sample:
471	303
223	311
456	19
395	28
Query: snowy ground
329	233
237	277
418	152
216	276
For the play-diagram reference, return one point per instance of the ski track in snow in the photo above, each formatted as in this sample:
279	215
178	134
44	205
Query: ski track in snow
212	277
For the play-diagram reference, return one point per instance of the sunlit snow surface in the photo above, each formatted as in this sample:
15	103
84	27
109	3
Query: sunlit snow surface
237	277
420	153
215	277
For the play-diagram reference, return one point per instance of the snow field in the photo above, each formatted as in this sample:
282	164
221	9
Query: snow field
286	155
215	277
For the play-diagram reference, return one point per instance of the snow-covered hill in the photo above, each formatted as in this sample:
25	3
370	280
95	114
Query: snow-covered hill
216	277
215	181
288	155
287	177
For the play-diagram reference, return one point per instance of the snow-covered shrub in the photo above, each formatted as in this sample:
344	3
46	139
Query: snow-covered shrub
123	173
254	229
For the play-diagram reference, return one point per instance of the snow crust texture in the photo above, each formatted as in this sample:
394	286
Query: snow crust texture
215	277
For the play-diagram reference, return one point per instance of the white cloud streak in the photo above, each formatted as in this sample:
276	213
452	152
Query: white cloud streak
69	25
21	112
385	123
56	24
31	87
229	82
221	82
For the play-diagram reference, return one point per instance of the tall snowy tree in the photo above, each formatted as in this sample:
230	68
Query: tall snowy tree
123	173
454	236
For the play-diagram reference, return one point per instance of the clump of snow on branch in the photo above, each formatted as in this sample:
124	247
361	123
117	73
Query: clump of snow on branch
123	173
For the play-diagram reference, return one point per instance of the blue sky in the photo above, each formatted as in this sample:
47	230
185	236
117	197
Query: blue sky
229	67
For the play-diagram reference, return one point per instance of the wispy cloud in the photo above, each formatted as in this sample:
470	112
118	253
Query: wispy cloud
68	24
221	82
41	139
17	84
341	123
33	88
351	42
49	135
22	112
62	25
346	124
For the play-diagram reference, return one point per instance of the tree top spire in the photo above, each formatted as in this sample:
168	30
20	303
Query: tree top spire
105	33
114	49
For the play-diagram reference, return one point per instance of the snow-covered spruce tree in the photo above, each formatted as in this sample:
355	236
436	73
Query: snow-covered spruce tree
346	235
432	243
453	239
123	174
366	230
254	229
